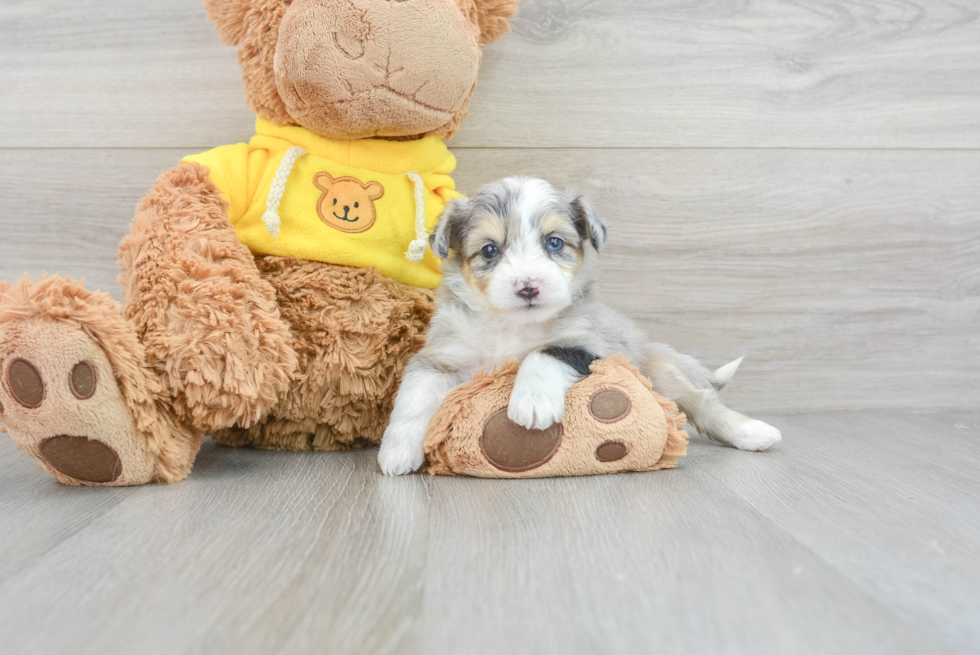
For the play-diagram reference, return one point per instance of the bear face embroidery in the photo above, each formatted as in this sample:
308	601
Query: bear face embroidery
347	204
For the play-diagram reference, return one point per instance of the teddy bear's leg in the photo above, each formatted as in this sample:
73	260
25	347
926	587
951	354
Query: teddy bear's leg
75	391
208	321
354	330
274	433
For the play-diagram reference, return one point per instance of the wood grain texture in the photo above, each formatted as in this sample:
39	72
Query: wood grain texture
850	279
280	556
882	503
574	73
857	534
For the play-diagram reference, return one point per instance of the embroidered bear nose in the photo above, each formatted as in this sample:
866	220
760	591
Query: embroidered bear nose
346	208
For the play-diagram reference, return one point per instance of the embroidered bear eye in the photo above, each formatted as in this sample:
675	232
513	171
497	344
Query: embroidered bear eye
555	244
490	251
335	201
356	205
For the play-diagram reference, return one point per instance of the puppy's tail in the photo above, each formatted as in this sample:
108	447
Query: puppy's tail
724	375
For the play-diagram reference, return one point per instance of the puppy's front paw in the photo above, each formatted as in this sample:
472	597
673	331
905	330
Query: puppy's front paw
536	408
400	452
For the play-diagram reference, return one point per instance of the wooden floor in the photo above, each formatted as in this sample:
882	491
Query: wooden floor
860	533
794	180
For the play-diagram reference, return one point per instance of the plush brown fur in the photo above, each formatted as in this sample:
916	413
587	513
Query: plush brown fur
651	431
493	16
353	332
165	449
210	324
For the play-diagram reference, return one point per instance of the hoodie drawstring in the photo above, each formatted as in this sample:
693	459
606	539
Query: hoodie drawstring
417	248
271	217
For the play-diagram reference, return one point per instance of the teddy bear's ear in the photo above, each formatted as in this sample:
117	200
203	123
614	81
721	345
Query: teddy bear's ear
253	25
228	17
375	190
323	181
493	17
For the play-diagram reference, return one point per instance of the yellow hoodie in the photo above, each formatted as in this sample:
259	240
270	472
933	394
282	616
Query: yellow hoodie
360	203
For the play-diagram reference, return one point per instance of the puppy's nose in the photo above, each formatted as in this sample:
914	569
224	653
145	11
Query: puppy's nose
528	289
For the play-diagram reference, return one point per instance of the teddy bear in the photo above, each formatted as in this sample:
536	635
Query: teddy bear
275	289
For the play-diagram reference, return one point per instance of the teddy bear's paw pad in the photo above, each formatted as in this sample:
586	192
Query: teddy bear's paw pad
515	449
62	406
610	406
611	451
26	383
81	458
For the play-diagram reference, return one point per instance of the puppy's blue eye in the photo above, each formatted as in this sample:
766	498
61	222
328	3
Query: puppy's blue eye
490	251
555	244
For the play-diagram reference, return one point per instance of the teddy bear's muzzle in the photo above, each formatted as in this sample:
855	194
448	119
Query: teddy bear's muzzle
369	69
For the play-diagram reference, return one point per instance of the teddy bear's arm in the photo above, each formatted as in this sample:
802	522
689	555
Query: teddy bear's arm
210	323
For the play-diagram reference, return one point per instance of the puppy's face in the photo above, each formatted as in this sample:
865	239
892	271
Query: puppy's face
519	249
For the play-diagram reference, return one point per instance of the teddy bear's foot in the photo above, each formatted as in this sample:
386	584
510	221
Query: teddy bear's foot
62	406
75	398
613	422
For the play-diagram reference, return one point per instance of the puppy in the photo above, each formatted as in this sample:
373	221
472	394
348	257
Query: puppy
519	283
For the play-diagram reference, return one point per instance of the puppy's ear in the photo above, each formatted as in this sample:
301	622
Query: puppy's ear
448	233
493	17
587	220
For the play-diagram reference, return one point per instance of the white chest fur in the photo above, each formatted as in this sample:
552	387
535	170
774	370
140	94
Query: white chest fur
499	343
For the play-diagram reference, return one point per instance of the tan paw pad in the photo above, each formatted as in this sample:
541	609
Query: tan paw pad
25	383
83	380
611	451
82	458
513	448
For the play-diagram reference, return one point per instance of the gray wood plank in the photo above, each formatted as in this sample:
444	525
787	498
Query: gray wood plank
36	517
256	553
297	553
886	499
65	211
851	279
634	564
574	73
